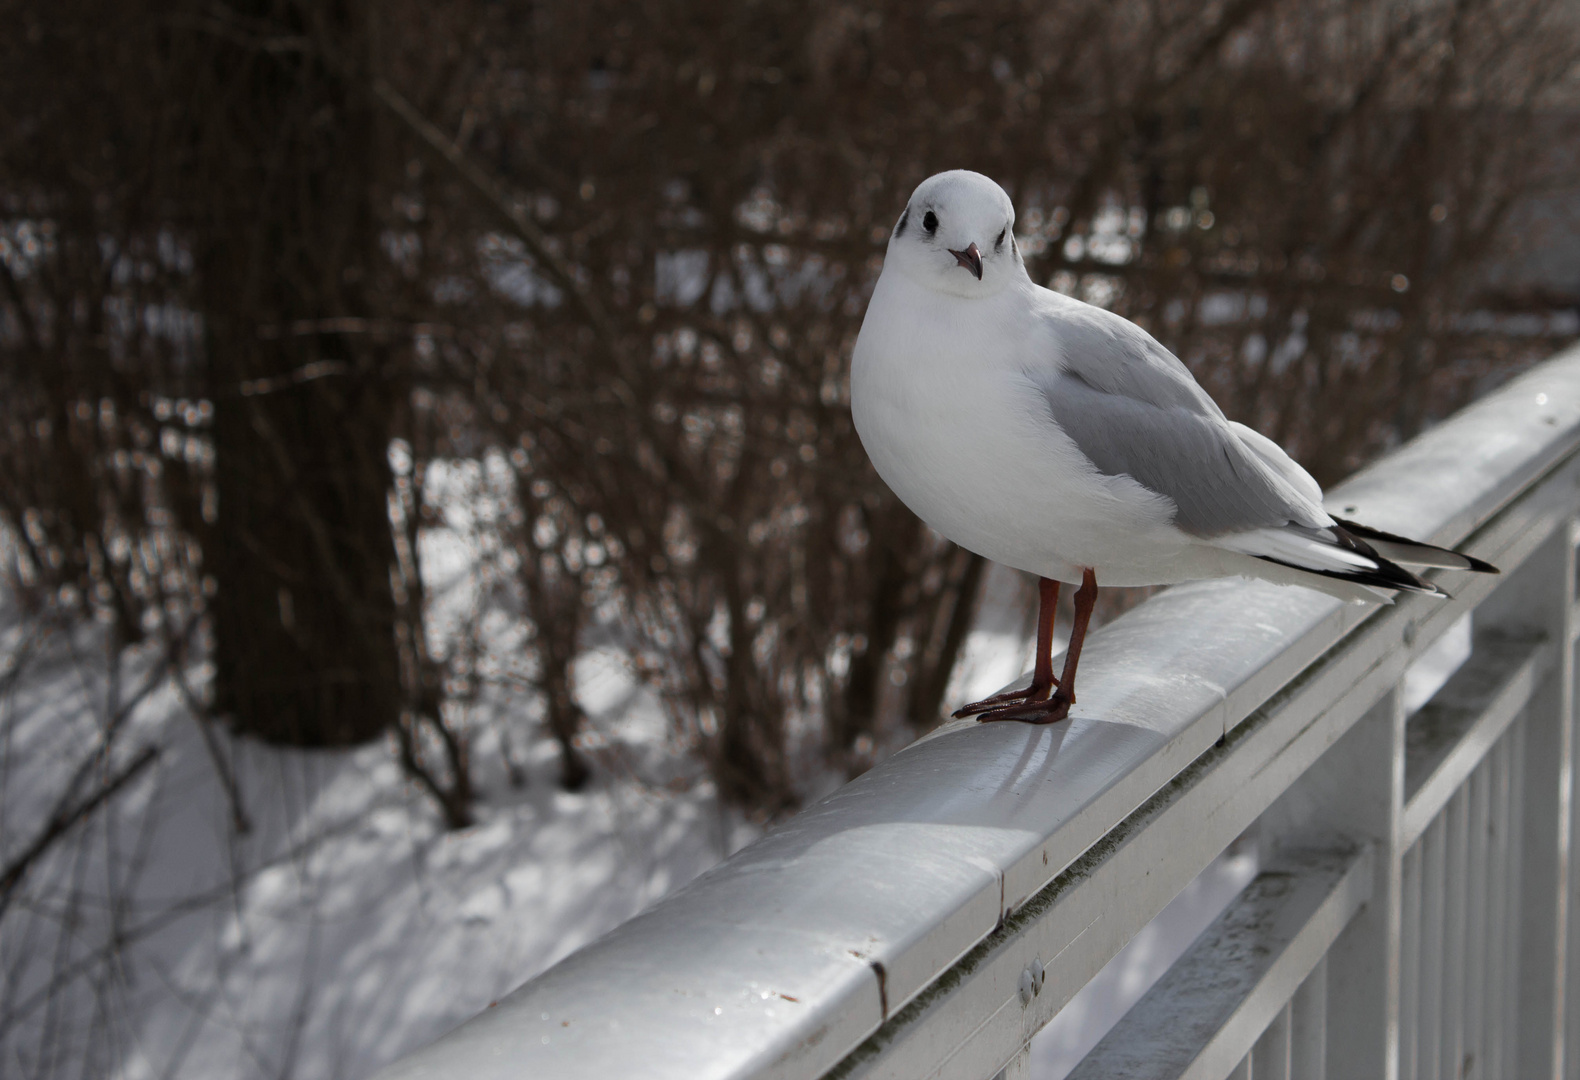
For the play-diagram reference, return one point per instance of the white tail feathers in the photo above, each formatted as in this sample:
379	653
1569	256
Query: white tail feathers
1334	553
1304	549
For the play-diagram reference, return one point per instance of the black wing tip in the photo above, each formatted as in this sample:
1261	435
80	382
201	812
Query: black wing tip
1478	566
1366	532
1387	576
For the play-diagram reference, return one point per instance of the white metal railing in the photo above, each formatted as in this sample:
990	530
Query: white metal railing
1411	919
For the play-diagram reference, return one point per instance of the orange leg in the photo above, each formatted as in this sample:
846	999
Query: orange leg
1042	680
1057	707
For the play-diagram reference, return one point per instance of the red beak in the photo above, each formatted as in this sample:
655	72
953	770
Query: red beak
970	258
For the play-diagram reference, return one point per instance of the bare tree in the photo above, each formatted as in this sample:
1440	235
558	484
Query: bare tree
682	209
627	250
268	268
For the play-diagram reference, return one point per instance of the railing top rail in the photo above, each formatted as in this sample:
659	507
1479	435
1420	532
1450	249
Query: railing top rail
786	956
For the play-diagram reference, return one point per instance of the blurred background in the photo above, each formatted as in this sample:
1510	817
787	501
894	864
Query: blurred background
431	525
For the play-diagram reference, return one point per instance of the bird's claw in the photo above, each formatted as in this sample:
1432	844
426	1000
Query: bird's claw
1026	695
1048	711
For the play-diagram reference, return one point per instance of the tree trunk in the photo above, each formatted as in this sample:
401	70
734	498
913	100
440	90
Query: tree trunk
301	549
304	622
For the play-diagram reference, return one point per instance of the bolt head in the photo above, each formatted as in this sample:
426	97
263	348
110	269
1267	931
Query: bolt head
1031	979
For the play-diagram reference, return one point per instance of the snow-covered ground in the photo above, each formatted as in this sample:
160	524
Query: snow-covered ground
344	928
347	926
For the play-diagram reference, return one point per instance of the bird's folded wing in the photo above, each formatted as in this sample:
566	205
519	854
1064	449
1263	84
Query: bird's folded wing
1217	483
1113	354
1274	457
1134	410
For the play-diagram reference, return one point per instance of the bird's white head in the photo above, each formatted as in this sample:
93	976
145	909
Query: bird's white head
957	235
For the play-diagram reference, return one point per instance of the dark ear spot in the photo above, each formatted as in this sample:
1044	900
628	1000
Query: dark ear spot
900	228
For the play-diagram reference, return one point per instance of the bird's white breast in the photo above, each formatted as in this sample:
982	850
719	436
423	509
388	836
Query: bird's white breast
942	403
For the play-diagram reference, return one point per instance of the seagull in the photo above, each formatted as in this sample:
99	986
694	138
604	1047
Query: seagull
1063	440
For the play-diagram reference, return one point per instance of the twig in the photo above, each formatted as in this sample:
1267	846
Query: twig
222	768
63	820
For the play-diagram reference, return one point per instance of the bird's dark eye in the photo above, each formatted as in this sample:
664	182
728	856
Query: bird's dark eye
1000	241
930	222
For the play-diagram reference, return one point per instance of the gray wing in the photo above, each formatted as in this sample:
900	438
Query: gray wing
1114	355
1134	410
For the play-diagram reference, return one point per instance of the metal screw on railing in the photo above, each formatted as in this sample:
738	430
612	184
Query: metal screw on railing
1031	982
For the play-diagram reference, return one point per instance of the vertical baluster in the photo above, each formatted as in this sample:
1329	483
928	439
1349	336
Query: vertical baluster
1410	963
1571	655
1430	1026
1456	882
1543	921
1499	845
1270	1056
1359	785
1308	1026
1241	1071
1534	599
1472	1046
1512	941
1572	967
1566	640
